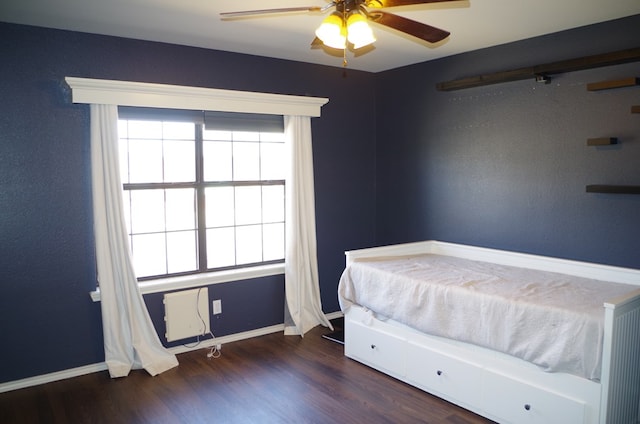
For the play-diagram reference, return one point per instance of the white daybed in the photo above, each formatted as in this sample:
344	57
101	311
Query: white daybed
498	385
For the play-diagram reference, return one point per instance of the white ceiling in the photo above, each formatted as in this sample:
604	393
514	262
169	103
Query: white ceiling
473	24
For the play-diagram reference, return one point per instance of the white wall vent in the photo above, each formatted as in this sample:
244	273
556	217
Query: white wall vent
186	314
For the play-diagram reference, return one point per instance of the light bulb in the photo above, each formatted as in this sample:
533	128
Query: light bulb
332	31
359	32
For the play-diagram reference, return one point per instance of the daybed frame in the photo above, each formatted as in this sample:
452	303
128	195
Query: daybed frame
498	386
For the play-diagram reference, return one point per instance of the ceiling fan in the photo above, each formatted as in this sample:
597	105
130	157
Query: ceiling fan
348	23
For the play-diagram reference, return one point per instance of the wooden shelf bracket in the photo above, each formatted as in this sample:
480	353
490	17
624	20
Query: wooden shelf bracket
613	189
603	141
606	85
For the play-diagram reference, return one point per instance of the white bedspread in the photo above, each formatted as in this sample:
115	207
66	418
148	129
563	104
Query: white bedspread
552	320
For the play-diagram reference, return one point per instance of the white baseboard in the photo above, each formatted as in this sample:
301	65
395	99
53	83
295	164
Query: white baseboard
228	339
102	366
240	336
334	315
51	377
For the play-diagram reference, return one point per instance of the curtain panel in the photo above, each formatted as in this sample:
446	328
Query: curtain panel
130	340
302	286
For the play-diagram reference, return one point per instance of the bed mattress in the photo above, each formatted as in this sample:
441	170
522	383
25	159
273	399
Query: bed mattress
553	320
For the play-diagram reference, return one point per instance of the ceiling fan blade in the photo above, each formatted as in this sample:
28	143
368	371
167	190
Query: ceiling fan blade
408	26
376	4
245	13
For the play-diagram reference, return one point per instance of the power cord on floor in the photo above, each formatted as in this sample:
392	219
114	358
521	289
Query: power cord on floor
214	350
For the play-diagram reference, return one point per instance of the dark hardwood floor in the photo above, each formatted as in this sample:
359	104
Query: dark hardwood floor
269	379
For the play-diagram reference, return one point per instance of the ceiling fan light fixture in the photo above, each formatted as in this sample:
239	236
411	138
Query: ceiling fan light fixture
332	31
359	32
348	24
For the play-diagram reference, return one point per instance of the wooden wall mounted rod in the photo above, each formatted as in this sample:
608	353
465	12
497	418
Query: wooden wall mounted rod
577	64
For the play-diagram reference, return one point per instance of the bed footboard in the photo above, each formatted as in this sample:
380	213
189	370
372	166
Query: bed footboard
621	361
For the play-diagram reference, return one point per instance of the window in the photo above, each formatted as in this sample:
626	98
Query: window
149	95
202	192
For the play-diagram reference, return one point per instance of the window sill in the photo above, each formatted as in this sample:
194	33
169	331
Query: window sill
199	280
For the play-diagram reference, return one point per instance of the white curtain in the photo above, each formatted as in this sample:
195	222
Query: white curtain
130	340
303	309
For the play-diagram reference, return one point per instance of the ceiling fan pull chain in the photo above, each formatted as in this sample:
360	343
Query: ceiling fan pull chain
344	25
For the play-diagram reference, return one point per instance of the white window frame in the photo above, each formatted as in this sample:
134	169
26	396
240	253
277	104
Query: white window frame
139	94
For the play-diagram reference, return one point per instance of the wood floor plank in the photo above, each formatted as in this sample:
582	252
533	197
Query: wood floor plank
269	379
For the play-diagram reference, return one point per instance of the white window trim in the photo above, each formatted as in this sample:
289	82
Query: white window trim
127	93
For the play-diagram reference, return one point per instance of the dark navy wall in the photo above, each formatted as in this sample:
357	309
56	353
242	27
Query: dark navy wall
506	165
47	267
500	166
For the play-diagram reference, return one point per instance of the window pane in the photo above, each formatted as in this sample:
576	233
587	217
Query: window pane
246	161
178	130
149	257
217	161
216	135
246	136
273	203
272	161
273	241
219	206
145	161
147	211
181	251
145	129
249	244
123	131
272	137
220	247
180	209
179	160
248	205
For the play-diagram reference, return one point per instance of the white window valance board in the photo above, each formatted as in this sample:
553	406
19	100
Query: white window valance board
142	94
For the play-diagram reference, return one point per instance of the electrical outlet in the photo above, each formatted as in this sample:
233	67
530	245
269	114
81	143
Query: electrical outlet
217	306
